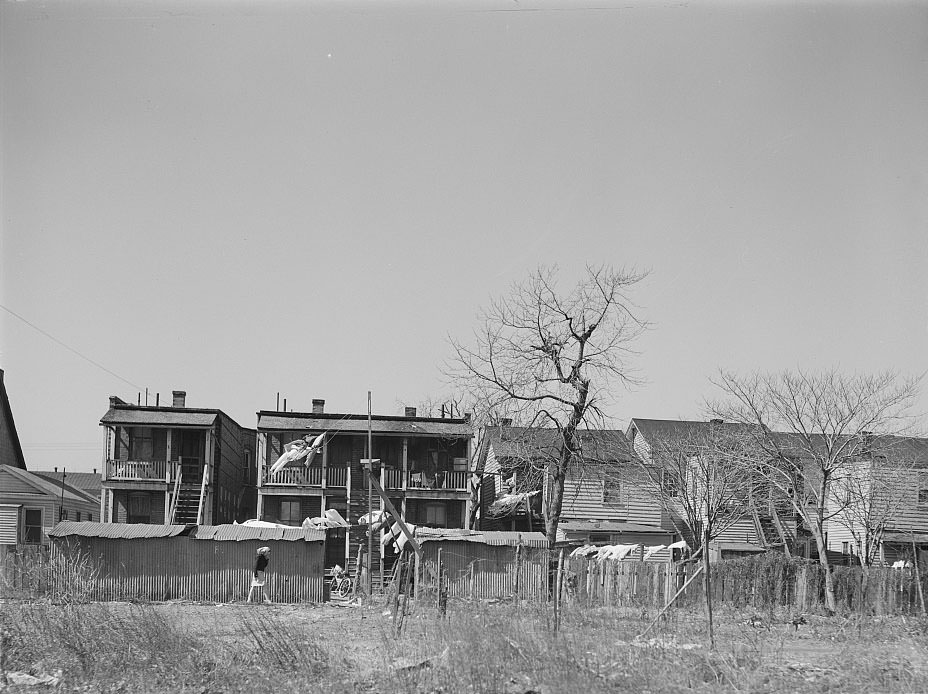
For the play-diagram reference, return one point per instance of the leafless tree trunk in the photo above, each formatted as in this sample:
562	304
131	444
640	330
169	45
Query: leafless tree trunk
552	357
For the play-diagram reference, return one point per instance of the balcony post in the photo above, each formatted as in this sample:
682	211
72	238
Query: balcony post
167	463
405	480
325	466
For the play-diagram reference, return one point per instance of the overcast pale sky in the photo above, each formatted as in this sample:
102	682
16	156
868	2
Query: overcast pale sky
238	199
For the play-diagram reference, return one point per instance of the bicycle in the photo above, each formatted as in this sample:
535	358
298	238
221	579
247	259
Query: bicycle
341	584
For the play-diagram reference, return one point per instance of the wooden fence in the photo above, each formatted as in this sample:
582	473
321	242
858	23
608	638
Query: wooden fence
762	582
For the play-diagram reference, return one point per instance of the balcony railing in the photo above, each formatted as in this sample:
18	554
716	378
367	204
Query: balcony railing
392	478
154	470
308	477
455	481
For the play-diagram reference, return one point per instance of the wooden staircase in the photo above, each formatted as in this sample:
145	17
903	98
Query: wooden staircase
187	505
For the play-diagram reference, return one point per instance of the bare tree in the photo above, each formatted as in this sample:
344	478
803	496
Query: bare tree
552	356
702	478
810	429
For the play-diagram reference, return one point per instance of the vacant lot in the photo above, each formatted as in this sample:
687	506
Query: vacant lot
477	647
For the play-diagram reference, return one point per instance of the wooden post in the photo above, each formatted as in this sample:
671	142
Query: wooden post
918	575
672	600
473	581
397	585
557	588
515	590
418	576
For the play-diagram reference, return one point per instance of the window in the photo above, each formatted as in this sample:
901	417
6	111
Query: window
63	514
600	538
845	548
923	490
290	512
140	443
435	515
77	516
612	493
89	517
670	483
32	526
139	510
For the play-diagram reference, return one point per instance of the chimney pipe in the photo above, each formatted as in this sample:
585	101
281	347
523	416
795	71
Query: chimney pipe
318	405
410	412
180	398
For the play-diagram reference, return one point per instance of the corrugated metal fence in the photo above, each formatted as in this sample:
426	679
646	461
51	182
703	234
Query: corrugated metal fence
185	568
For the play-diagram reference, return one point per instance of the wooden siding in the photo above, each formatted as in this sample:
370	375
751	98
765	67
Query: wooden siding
742	530
188	569
583	500
9	523
473	569
50	507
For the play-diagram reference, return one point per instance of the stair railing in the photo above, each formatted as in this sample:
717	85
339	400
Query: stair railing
202	493
175	495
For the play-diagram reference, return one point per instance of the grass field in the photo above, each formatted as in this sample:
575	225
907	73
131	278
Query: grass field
477	647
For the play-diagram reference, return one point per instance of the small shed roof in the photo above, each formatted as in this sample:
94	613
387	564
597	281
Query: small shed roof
610	527
495	538
380	424
116	531
239	533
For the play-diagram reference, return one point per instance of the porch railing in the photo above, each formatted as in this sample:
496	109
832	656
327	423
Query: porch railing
392	478
455	481
308	477
154	470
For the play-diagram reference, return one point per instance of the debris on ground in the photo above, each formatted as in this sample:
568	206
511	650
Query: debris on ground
26	680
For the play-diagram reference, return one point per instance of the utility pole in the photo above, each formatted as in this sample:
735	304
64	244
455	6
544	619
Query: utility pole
370	494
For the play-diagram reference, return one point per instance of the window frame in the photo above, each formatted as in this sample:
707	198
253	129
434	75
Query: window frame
27	525
288	519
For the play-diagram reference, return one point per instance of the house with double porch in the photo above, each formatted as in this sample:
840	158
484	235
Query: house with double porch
421	463
175	465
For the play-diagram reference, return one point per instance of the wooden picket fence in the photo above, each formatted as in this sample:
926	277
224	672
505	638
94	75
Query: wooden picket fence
762	582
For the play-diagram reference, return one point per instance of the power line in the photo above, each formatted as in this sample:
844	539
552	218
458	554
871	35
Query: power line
69	348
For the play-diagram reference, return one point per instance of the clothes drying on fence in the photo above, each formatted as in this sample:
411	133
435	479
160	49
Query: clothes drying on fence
330	519
395	535
652	550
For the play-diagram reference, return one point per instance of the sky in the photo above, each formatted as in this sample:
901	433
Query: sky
244	199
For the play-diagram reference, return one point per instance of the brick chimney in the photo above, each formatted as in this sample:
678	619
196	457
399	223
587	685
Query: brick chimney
318	406
180	398
410	412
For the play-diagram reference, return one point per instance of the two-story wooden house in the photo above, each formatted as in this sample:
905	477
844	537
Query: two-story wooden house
603	501
878	508
423	467
174	464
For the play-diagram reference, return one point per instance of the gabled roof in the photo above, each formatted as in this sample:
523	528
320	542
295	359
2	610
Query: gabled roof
357	423
137	415
117	531
11	450
86	482
607	445
44	486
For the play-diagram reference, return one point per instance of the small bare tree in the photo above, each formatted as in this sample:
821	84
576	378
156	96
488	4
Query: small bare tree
702	478
810	429
552	356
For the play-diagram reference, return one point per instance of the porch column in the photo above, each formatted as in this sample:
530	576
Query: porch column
167	507
260	454
167	463
325	467
405	469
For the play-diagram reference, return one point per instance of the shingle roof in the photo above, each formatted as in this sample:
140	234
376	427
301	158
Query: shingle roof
133	415
87	482
51	488
413	426
117	531
521	442
487	537
238	533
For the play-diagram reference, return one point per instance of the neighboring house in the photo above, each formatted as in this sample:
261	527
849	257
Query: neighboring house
423	467
879	507
603	503
175	465
768	521
31	505
88	482
11	451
